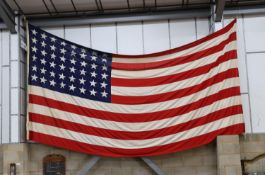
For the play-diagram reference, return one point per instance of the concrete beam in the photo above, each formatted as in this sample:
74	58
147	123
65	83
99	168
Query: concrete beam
7	16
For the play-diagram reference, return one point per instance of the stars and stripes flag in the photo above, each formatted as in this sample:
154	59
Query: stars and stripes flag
132	105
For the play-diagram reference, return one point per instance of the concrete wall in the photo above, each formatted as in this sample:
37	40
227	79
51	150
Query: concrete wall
199	161
251	146
12	87
228	155
221	158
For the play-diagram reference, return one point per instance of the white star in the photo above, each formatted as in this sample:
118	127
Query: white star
103	85
34	58
62	58
82	80
72	78
104	94
53	56
82	55
72	87
73	61
53	47
93	74
73	53
93	92
73	47
72	69
43	80
53	39
43	36
43	61
82	90
93	83
63	43
43	52
43	71
34	40
34	77
82	72
34	68
34	32
104	60
104	76
43	44
52	74
83	63
105	68
52	83
63	51
83	50
52	64
94	58
61	76
62	85
34	49
93	66
62	67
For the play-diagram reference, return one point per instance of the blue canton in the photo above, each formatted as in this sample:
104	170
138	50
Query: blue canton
66	67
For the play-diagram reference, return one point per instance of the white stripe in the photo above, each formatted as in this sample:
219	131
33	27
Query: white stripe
159	89
136	144
134	109
137	126
151	73
205	45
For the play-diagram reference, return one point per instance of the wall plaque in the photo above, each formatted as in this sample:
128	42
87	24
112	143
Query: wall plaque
54	165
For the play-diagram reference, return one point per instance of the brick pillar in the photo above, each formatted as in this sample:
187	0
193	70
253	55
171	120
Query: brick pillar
228	155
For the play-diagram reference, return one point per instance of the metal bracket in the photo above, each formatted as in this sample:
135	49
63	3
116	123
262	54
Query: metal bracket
92	162
87	166
216	15
153	166
219	10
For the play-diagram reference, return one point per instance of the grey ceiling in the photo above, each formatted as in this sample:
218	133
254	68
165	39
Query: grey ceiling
40	8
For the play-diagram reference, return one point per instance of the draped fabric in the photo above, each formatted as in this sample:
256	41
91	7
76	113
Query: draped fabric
132	105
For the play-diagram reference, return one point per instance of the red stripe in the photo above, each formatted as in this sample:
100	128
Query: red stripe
127	117
174	77
118	99
174	61
138	135
151	151
184	47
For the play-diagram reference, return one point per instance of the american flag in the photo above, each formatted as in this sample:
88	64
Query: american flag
132	105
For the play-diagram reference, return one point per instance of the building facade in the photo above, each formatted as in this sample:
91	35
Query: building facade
223	157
